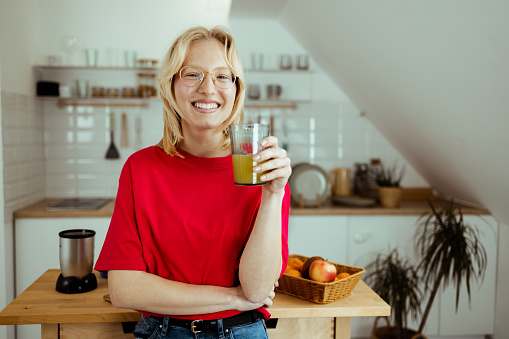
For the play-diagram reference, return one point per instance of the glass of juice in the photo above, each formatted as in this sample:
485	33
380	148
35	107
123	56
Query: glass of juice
245	143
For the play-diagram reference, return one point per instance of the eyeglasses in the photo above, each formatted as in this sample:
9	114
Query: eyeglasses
193	76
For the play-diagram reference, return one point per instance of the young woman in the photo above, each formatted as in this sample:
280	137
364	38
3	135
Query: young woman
196	254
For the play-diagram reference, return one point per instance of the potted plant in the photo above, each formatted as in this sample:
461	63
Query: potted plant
396	281
449	251
388	180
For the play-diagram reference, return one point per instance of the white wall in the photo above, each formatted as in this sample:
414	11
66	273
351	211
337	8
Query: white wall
18	46
431	77
30	30
330	131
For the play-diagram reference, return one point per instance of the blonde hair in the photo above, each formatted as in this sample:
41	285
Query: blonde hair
173	61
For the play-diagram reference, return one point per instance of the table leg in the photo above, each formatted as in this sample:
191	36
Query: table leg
342	328
50	331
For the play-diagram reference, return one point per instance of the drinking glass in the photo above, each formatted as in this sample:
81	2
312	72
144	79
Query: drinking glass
245	143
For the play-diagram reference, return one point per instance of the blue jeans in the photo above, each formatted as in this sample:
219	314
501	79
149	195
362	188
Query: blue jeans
151	329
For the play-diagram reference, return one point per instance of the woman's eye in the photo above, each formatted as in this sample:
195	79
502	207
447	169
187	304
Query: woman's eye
223	77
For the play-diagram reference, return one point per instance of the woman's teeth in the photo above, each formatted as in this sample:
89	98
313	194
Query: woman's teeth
205	106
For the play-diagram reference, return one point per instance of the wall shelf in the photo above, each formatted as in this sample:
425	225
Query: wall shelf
275	104
98	68
100	102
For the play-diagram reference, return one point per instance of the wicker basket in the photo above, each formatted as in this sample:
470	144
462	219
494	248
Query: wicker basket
317	292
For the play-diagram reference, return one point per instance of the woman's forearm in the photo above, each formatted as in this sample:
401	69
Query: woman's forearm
260	264
147	292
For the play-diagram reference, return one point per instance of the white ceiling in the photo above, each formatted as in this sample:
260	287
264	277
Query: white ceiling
266	9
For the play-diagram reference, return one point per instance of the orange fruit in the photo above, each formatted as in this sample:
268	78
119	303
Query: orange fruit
342	275
293	272
336	278
287	268
295	263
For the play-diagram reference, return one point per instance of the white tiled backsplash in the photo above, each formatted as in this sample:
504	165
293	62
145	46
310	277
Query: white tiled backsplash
57	151
23	152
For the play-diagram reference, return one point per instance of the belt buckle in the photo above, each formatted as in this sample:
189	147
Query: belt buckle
193	326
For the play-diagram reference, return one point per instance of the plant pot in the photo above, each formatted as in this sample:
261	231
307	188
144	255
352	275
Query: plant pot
390	196
390	332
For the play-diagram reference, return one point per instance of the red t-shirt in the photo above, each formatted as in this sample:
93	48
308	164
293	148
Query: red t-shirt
183	219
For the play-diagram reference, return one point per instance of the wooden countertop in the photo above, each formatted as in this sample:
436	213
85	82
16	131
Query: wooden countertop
38	210
40	303
408	207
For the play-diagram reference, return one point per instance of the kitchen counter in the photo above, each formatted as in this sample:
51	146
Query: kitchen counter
88	313
38	210
408	207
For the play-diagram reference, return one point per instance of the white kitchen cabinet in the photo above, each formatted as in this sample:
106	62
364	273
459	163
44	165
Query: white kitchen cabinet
323	236
37	249
355	241
480	317
370	235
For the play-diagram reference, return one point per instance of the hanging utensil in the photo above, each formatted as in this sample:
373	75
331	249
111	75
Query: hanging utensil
112	152
137	140
124	139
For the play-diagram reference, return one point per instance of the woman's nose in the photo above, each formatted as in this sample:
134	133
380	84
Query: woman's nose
207	85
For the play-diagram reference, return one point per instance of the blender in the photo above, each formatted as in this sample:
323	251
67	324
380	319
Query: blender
76	261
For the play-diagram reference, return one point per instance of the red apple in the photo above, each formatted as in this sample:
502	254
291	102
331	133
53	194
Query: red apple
307	265
322	271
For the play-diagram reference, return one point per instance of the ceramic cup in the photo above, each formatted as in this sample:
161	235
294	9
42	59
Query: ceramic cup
253	91
302	62
286	62
274	92
82	88
339	179
245	143
130	58
91	56
257	61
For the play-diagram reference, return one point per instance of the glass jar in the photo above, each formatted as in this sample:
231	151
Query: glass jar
128	92
112	92
147	85
97	92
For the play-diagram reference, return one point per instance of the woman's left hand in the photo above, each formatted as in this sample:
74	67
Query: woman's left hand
276	170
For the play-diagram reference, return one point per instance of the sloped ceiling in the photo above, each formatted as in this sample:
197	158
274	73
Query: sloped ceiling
432	76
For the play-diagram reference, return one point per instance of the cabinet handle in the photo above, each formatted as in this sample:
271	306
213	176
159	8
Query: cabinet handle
362	237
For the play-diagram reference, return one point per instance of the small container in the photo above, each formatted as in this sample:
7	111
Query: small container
97	92
147	86
128	92
148	63
112	92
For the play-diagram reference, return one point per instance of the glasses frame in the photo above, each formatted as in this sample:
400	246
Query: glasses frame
235	76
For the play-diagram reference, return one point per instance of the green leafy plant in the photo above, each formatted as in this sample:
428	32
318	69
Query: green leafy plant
451	252
396	281
387	176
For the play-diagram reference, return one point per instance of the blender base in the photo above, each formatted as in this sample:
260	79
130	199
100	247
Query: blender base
72	285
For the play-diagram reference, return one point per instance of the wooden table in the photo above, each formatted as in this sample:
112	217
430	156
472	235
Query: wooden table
88	315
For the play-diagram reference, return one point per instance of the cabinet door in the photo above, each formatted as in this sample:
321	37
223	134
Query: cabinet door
323	236
37	250
370	235
478	318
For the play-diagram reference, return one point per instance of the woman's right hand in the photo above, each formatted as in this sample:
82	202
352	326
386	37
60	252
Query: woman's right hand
245	305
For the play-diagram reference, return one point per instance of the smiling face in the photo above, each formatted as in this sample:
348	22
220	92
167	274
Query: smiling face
204	107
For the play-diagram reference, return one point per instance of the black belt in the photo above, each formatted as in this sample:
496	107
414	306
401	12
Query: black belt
197	326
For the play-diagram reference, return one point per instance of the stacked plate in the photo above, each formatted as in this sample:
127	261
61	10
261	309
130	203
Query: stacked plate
309	184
